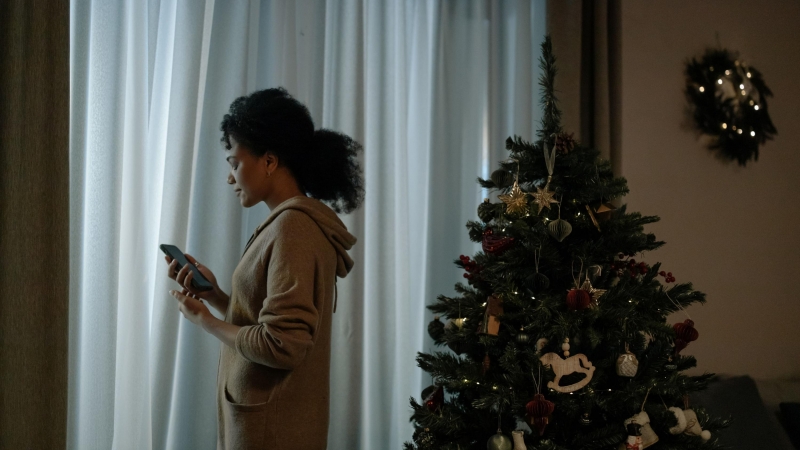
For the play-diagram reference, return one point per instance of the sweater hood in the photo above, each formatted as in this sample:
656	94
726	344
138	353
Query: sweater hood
330	224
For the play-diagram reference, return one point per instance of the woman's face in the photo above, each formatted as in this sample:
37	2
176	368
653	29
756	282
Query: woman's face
248	175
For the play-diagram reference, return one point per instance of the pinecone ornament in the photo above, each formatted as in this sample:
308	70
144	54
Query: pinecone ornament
564	143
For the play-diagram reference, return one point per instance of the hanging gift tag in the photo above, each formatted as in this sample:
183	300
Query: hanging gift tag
491	321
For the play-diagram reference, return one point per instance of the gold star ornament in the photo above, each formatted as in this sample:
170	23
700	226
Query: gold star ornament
594	293
516	201
544	196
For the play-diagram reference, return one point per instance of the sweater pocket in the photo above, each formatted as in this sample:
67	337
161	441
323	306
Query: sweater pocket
244	424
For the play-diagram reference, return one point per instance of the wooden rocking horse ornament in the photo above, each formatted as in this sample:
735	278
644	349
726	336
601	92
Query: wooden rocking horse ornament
561	367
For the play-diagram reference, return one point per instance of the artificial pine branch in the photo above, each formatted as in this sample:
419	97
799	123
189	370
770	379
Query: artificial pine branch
551	119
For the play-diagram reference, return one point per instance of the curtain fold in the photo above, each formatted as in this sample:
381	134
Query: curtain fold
586	41
431	89
34	233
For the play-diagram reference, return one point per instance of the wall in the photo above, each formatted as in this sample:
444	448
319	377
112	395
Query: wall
731	231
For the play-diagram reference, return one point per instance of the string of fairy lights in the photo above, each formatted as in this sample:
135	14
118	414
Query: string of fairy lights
729	100
743	91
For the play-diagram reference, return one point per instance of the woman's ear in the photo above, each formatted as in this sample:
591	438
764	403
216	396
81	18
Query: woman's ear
270	163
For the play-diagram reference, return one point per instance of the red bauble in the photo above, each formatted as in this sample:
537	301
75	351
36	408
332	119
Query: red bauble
578	299
435	399
539	410
540	406
495	244
540	423
686	331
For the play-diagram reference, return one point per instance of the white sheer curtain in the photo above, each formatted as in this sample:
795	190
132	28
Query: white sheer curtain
431	89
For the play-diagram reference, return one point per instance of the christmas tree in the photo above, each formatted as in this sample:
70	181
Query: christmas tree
559	338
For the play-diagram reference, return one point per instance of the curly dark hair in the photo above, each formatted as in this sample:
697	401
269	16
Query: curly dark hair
324	162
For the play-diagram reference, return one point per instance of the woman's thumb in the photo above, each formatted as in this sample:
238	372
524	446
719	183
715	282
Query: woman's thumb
190	258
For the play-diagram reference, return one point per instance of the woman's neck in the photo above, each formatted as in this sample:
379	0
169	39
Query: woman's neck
285	187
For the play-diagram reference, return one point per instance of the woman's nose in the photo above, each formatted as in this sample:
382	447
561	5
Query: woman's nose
230	178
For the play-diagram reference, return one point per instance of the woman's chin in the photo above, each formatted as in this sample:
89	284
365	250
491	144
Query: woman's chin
245	202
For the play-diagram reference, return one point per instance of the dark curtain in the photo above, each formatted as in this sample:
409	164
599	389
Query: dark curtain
587	44
34	222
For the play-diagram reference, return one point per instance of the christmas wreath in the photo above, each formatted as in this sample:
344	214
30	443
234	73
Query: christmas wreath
728	99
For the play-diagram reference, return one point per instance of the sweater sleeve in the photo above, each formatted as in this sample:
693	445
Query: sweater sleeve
288	318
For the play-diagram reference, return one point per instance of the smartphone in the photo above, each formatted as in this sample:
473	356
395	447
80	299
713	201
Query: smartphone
199	282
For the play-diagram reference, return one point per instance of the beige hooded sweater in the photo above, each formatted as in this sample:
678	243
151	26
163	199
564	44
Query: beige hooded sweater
273	388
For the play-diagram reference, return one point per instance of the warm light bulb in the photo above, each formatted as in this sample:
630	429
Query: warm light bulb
702	89
752	133
734	128
741	86
743	92
724	126
727	72
748	74
739	131
719	81
752	103
755	107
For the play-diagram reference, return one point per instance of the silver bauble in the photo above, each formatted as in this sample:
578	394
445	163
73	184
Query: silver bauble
502	178
540	282
499	442
559	229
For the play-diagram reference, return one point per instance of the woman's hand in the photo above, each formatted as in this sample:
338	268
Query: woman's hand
191	307
197	313
185	275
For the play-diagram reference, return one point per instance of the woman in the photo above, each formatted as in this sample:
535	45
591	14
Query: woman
273	386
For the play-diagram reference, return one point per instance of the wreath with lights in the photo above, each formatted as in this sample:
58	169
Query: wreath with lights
729	104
